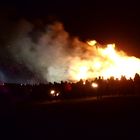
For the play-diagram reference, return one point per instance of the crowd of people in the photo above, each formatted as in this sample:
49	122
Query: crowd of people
68	90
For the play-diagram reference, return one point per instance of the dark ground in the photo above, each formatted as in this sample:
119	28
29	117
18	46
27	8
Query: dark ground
112	116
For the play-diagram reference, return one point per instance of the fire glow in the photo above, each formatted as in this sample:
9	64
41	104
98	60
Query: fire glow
107	62
56	56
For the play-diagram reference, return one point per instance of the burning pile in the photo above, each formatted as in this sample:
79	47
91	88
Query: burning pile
105	62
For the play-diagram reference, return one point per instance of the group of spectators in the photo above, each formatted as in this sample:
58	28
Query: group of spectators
67	90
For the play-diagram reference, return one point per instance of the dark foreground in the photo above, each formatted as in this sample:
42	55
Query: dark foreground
111	116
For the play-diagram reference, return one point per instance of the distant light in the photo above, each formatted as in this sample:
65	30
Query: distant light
94	85
84	83
97	65
57	94
52	92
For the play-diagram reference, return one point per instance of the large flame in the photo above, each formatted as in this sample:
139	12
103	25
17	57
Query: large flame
105	62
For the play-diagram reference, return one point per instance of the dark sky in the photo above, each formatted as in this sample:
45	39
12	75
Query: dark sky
105	21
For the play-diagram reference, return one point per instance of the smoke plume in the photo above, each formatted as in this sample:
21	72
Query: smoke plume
49	53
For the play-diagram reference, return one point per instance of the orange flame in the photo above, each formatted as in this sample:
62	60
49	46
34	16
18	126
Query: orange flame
104	62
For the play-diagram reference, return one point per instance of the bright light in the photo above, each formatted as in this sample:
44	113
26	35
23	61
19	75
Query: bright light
57	94
52	92
84	83
82	73
94	85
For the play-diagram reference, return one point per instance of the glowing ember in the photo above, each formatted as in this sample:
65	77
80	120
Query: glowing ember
92	42
104	62
94	85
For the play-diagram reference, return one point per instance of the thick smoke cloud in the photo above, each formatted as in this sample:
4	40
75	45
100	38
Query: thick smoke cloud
48	53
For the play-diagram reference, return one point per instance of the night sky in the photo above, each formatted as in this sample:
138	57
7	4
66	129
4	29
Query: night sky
105	21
